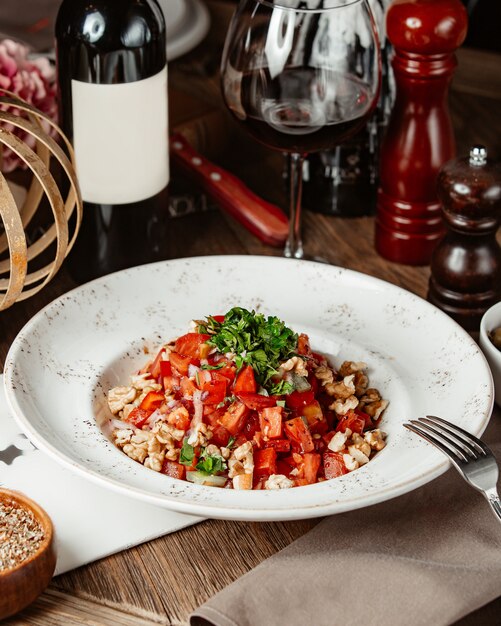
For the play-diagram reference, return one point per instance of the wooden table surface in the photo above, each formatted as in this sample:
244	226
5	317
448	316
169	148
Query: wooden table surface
160	582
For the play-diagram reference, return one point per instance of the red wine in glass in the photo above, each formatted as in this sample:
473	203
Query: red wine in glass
301	76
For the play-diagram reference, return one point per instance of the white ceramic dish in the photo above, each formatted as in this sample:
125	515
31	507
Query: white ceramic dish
65	359
491	320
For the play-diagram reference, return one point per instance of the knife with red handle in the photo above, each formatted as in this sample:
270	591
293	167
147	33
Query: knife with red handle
263	219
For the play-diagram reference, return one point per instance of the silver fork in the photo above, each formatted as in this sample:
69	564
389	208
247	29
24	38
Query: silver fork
470	456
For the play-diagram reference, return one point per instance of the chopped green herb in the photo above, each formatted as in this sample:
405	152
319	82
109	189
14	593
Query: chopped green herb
282	388
211	464
226	401
262	342
197	378
231	442
212	367
187	453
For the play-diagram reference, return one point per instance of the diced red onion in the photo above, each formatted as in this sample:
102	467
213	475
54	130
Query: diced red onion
192	370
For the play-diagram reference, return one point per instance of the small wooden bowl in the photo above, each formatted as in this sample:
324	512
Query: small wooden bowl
22	584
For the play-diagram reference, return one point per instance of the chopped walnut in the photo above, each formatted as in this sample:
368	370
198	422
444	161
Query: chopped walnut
241	461
121	436
155	461
360	444
324	374
278	481
166	433
376	439
342	408
242	481
350	462
294	364
144	382
361	381
350	367
225	453
200	435
358	455
338	442
342	389
118	397
372	404
135	452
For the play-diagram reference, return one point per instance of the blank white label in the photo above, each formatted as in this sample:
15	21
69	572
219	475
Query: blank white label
120	136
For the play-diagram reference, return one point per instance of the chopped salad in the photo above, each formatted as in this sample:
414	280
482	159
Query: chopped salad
243	402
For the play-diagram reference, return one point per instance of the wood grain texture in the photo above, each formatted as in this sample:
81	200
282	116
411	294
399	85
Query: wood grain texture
162	581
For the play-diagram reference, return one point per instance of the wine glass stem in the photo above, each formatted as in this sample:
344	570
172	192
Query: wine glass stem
294	245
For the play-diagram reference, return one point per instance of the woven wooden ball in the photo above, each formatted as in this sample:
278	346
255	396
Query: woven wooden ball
17	280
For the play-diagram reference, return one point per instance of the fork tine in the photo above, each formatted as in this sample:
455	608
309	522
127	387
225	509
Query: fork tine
447	441
460	441
416	427
458	431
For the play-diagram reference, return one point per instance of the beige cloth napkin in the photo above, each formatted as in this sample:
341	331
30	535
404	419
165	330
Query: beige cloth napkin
427	558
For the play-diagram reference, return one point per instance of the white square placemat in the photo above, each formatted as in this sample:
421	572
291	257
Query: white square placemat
90	522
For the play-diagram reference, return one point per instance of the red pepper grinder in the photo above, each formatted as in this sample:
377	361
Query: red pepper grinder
419	138
466	265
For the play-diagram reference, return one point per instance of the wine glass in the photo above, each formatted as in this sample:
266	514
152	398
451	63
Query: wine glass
301	76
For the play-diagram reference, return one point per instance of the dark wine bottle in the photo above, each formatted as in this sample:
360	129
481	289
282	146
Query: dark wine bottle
112	80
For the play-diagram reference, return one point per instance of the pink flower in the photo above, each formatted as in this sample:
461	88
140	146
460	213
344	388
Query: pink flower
34	81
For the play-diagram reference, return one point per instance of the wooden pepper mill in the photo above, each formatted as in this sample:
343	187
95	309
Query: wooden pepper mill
419	138
466	265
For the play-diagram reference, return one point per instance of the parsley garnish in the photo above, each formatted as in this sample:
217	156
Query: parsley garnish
187	454
282	388
212	367
211	464
262	342
231	442
227	400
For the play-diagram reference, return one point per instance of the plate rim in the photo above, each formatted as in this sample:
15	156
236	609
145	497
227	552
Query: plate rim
302	511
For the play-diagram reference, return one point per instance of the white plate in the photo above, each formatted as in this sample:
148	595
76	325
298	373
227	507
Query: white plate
187	22
66	358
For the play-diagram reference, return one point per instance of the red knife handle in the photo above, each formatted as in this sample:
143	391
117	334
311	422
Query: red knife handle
263	219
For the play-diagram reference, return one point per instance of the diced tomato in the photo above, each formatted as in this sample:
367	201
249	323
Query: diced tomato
353	422
311	464
300	482
298	399
258	439
251	426
188	388
303	345
215	390
220	436
313	380
234	418
283	467
218	318
155	367
165	368
180	419
152	401
333	465
180	363
367	418
229	372
190	344
270	420
173	469
280	445
212	415
170	383
138	417
265	462
245	381
299	435
319	427
312	413
256	401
